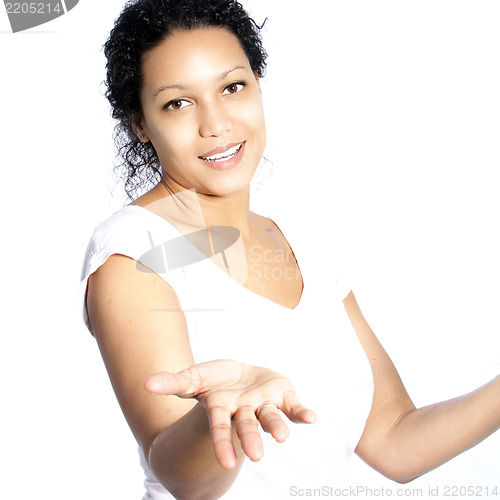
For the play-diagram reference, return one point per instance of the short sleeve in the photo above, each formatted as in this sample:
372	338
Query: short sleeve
135	233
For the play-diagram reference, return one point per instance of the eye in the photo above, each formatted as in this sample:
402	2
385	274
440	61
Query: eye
234	88
176	104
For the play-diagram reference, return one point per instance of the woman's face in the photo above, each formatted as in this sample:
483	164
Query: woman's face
202	111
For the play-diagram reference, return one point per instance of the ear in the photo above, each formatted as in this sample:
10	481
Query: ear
138	128
257	79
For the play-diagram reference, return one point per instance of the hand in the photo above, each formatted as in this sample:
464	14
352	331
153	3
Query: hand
233	390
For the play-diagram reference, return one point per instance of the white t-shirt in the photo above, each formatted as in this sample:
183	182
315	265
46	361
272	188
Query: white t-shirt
314	345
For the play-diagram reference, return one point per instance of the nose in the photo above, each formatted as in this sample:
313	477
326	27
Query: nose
215	121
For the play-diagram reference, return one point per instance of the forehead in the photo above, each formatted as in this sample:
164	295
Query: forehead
186	57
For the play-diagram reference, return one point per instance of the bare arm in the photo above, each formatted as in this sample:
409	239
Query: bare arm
140	329
403	442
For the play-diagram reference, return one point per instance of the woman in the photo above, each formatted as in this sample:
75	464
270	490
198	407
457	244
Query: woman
206	313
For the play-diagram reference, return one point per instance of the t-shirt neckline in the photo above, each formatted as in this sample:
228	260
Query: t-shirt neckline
232	281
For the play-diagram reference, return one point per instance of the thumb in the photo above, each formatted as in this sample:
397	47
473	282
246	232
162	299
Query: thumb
185	384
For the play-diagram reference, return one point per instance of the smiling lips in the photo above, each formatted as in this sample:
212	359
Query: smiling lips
221	157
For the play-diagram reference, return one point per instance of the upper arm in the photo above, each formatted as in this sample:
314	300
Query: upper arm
140	328
390	399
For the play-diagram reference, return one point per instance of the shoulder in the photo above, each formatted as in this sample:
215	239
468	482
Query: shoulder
131	231
125	225
264	223
130	215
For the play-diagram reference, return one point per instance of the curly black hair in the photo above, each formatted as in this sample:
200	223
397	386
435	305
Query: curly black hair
141	26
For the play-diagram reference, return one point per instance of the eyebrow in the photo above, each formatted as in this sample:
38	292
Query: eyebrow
180	86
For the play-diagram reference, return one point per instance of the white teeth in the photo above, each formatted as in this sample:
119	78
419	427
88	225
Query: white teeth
224	156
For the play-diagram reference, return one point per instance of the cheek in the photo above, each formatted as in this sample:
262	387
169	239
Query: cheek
253	116
175	141
260	125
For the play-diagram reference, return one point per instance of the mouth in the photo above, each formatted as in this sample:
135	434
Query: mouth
225	155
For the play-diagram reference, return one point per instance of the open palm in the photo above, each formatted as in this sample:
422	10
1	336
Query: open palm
231	390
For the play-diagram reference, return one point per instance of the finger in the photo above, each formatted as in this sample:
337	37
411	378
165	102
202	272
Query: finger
219	419
271	421
247	428
185	384
295	411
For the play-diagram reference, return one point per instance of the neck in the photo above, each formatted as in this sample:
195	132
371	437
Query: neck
200	210
231	210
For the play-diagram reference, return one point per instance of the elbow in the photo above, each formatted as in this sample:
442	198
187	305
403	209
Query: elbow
398	473
405	480
187	493
199	490
186	478
396	469
189	488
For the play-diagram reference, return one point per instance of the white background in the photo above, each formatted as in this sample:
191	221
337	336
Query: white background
383	121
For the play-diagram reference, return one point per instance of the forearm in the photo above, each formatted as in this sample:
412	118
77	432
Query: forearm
428	437
183	460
